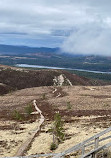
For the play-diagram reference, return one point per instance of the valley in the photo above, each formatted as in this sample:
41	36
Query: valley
52	57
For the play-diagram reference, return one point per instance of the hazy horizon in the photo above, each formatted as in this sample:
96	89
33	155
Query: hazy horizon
76	26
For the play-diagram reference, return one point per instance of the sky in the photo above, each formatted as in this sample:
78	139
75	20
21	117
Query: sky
76	26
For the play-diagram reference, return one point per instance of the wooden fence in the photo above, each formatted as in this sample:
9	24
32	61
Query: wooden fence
81	146
92	141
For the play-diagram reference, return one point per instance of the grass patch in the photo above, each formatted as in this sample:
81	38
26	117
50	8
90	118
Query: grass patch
17	115
69	106
28	109
53	146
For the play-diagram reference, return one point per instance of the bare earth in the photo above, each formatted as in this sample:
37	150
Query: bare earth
89	113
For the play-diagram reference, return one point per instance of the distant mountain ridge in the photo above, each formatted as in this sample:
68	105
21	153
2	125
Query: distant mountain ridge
10	49
52	57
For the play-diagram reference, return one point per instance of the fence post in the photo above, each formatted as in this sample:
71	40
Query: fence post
83	150
96	146
96	142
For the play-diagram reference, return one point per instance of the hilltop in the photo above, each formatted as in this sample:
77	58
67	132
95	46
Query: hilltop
13	49
12	78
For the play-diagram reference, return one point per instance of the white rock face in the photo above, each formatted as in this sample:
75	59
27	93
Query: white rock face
61	80
69	82
1	84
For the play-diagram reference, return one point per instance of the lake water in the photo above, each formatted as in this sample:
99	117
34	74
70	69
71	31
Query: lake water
59	68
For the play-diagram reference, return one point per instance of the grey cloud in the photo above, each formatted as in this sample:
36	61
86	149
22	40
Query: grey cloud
92	37
39	15
89	39
72	21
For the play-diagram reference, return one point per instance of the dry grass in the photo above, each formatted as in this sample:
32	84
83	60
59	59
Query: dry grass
75	133
10	140
84	98
90	113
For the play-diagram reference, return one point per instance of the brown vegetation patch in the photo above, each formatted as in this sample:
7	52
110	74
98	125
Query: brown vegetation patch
7	113
80	113
59	91
47	109
3	143
5	89
6	127
16	78
98	96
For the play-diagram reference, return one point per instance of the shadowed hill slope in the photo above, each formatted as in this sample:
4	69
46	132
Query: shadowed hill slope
18	78
5	89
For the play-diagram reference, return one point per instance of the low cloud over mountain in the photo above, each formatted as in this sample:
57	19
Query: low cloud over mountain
75	25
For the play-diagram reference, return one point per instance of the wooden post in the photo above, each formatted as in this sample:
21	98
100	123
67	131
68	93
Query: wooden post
96	146
96	142
83	150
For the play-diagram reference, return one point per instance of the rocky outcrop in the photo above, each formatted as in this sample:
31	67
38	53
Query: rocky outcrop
61	80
